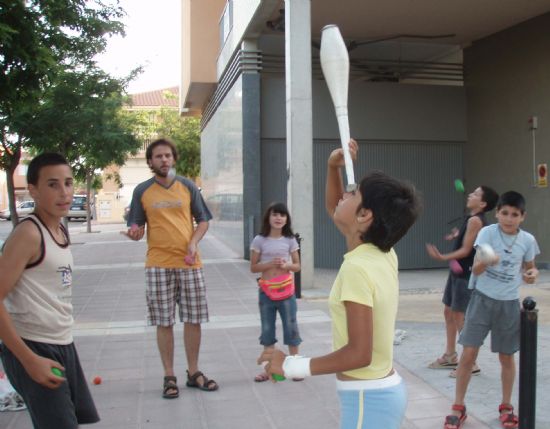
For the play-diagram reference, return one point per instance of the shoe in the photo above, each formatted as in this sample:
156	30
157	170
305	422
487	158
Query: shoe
476	370
455	422
170	388
507	418
261	377
445	361
208	385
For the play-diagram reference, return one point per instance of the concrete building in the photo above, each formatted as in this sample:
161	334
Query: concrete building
437	91
20	184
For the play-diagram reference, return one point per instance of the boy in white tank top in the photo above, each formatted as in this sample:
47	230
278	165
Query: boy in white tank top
35	305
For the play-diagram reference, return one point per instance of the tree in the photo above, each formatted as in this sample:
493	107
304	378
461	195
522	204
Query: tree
80	117
37	39
185	133
10	155
167	122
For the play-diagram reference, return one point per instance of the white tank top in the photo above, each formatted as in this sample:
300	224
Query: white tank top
40	304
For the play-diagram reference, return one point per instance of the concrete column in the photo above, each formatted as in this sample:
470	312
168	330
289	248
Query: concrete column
299	152
252	197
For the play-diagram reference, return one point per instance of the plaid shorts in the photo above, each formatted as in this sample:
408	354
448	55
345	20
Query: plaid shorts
166	287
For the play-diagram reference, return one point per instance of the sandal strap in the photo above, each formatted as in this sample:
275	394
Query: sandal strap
208	382
508	418
447	358
507	415
193	378
170	378
505	407
458	407
170	384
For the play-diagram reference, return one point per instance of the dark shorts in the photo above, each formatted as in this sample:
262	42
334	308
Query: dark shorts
486	314
457	295
63	408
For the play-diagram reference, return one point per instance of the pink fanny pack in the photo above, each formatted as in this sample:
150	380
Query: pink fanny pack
278	288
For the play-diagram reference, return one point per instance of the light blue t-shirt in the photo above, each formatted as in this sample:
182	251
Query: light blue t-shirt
271	248
502	281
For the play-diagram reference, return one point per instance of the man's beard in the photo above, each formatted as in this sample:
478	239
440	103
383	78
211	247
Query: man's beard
159	172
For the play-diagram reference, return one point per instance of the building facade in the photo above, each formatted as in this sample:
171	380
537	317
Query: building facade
434	95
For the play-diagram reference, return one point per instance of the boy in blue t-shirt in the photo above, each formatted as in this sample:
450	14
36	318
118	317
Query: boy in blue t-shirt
494	305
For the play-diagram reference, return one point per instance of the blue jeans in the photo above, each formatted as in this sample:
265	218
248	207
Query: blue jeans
287	309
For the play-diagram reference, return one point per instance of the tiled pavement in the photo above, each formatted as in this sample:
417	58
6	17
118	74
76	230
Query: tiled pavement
114	343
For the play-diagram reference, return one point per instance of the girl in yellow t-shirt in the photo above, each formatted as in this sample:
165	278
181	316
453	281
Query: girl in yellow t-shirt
363	299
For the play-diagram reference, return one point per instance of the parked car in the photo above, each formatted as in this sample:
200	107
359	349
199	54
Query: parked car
23	209
78	207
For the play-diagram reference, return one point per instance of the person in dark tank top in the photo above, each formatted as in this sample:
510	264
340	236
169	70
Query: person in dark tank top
457	295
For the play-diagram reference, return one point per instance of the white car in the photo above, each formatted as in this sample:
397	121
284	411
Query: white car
23	209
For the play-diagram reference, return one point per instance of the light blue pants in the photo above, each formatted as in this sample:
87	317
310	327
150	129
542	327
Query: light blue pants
369	404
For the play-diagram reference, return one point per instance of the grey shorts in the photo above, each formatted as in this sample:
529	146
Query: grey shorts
167	287
67	406
457	295
486	314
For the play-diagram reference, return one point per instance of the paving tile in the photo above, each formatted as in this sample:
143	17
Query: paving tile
115	343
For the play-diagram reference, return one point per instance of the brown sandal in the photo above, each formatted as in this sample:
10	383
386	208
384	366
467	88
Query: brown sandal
170	388
207	385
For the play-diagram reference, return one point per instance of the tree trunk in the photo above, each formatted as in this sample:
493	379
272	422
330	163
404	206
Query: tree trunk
11	195
89	178
9	163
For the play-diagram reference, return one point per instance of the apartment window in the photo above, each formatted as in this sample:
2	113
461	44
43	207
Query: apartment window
226	22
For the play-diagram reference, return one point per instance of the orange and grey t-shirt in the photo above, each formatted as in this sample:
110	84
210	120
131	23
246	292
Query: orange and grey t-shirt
169	213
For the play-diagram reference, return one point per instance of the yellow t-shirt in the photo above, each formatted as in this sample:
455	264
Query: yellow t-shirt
169	212
367	276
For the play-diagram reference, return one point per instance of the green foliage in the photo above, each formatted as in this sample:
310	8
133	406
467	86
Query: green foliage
52	95
185	133
79	116
38	36
167	123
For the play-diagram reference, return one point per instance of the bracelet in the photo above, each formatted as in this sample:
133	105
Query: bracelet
296	367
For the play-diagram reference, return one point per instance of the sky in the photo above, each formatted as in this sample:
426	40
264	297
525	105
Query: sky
153	34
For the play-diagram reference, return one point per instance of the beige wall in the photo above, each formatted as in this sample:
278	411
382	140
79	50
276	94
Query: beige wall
109	207
3	191
200	47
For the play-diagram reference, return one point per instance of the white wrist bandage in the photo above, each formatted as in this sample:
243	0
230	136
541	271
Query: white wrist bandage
296	367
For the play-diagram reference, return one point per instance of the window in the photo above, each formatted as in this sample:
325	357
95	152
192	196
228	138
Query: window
226	22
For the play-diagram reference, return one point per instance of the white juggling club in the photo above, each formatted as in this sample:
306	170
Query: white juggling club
335	65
